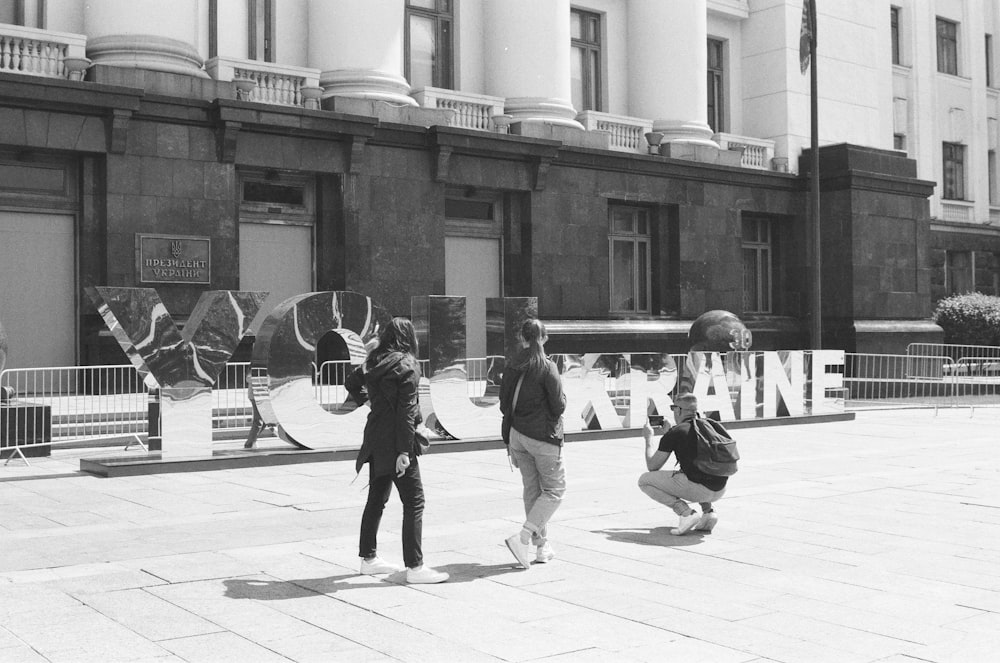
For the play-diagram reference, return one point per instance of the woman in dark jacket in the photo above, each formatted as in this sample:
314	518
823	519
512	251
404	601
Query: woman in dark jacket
532	402
388	379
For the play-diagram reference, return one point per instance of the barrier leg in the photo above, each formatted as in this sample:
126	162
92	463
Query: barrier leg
17	450
138	441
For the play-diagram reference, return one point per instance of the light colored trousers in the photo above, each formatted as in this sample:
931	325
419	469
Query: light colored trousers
672	488
544	479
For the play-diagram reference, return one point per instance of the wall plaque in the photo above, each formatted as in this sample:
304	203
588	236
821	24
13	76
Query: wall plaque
173	258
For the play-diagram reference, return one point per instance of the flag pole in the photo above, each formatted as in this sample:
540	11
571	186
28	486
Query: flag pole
816	332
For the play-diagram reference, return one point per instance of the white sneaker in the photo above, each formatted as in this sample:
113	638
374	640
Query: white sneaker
686	523
424	575
707	522
519	549
545	553
377	566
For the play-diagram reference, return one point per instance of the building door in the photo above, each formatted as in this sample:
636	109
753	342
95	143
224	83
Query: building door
277	219
472	258
472	270
37	288
276	258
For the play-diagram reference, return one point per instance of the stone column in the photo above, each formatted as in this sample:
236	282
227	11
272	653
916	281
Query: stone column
668	62
527	51
358	47
145	34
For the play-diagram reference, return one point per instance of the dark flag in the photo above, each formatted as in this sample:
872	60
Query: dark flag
806	35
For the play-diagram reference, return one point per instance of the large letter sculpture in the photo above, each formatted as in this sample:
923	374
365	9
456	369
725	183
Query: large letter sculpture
282	366
459	394
463	393
183	364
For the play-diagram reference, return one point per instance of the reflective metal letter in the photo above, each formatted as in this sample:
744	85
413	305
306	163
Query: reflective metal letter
184	364
823	380
463	393
710	385
282	366
784	383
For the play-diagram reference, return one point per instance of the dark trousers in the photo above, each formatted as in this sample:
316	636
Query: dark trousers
411	494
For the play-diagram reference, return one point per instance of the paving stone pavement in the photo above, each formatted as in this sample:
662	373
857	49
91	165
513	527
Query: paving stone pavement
869	540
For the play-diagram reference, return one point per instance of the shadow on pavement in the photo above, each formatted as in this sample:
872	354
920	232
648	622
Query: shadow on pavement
467	571
278	590
274	590
653	536
464	572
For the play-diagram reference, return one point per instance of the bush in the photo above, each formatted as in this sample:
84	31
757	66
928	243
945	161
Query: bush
970	319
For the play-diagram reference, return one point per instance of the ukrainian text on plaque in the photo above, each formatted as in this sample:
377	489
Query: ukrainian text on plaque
174	259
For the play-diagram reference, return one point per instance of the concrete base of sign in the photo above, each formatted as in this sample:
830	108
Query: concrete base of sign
121	466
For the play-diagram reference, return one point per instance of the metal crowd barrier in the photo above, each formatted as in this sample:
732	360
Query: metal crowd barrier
967	360
71	404
919	380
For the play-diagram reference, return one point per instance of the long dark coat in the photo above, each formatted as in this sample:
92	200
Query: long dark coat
390	388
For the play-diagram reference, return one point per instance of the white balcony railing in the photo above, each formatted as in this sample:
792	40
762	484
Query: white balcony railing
472	111
36	52
275	83
628	134
757	152
955	211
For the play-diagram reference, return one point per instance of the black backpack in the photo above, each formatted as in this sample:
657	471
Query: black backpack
715	450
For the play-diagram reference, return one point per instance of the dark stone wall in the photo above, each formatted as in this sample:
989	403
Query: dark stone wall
154	163
169	181
875	228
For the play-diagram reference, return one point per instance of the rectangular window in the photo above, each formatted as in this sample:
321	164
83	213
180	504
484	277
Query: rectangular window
894	33
585	60
429	60
757	265
629	251
19	12
989	60
991	173
987	269
260	30
953	156
958	272
947	47
277	197
899	142
716	79
10	13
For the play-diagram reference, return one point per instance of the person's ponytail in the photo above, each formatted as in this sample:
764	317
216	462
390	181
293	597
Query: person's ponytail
532	360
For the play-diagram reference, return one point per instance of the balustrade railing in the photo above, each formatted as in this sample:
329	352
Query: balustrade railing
472	111
278	84
757	152
35	52
628	134
960	212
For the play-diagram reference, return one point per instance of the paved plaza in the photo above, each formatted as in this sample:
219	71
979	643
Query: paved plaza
876	539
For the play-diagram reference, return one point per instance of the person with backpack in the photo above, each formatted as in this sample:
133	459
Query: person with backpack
707	456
